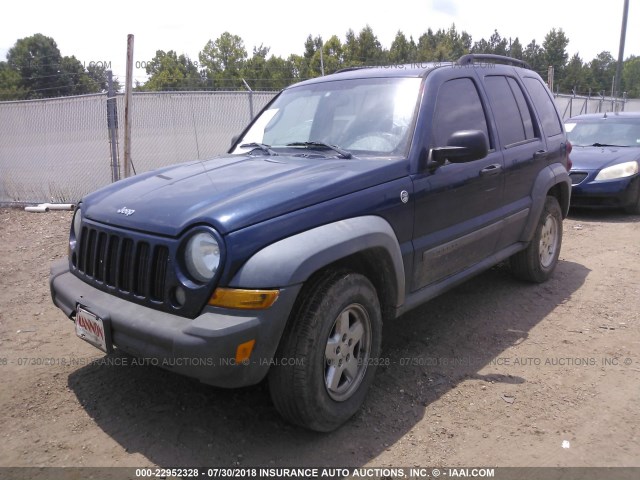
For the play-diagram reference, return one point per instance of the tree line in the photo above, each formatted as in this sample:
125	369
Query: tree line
35	69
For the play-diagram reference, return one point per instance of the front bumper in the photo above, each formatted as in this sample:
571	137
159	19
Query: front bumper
605	194
202	348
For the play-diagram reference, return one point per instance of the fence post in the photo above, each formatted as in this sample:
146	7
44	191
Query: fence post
127	108
250	99
112	123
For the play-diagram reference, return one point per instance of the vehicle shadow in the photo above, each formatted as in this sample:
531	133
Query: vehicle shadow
174	421
604	216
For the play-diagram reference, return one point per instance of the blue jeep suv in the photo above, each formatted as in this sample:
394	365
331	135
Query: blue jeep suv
349	200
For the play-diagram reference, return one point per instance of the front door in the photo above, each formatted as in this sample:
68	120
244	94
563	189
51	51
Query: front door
457	216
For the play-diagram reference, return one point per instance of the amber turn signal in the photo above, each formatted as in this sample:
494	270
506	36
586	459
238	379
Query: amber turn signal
243	352
243	299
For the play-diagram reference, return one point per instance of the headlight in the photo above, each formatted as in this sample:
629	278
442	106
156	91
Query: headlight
621	170
202	256
76	229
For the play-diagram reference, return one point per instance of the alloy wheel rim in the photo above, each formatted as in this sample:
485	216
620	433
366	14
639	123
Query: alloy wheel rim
347	352
548	241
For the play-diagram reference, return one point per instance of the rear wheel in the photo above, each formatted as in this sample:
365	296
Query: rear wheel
326	359
537	262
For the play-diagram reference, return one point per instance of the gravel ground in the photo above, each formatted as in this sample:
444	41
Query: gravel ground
494	373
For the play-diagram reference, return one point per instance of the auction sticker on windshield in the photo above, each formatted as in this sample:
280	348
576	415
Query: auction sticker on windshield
90	328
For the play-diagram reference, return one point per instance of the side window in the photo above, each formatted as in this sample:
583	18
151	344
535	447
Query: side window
544	105
458	108
505	109
525	113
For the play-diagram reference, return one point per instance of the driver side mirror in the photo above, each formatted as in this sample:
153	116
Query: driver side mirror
463	146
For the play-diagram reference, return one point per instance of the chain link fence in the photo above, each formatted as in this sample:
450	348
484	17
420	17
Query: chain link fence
57	150
53	150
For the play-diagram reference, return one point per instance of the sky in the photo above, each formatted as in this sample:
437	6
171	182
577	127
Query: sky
97	32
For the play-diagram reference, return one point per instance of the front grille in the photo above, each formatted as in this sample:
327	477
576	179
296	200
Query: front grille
578	177
136	268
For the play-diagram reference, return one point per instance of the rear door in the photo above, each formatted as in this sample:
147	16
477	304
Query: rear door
456	205
521	142
552	129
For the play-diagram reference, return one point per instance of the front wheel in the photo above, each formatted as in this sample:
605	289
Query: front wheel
634	208
537	262
326	359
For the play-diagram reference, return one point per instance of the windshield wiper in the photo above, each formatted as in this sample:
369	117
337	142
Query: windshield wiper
343	153
263	147
605	145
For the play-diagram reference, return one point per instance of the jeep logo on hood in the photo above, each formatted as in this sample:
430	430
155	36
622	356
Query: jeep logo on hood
126	211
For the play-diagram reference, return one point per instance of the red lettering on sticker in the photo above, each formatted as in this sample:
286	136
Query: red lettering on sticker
90	327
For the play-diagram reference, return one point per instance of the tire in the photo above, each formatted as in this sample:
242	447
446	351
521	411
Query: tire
537	262
327	356
634	208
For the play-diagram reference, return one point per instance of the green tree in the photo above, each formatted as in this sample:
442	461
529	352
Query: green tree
37	59
631	77
333	55
534	55
10	83
402	50
168	71
555	48
223	60
450	45
369	50
262	73
575	78
350	50
555	53
98	74
601	72
427	46
515	49
310	66
278	73
44	72
72	78
496	45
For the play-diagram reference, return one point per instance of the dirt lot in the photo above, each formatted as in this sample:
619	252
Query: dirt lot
494	373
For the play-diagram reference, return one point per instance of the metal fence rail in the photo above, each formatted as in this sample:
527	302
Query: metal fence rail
572	105
57	150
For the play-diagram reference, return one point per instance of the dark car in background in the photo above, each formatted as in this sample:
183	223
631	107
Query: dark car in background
606	158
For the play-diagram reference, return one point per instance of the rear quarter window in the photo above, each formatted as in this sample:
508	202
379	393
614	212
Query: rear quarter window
510	110
544	106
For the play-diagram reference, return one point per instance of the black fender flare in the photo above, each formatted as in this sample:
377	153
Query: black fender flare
547	179
294	259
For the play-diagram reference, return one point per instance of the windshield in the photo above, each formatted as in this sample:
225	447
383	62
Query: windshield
372	116
601	132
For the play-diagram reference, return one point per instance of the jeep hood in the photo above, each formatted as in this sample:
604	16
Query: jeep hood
232	191
597	158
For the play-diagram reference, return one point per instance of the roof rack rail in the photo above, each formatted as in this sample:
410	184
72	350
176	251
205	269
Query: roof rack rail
472	57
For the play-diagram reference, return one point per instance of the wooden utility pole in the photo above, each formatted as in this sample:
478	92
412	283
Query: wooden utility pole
127	108
112	121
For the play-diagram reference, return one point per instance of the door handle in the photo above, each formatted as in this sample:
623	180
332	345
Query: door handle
492	169
540	154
